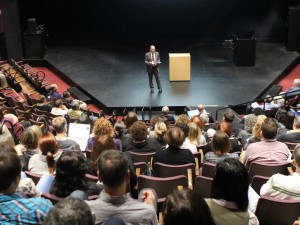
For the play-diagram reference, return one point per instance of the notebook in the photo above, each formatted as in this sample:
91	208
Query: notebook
79	133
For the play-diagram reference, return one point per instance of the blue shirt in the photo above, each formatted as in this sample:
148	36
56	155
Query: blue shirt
17	210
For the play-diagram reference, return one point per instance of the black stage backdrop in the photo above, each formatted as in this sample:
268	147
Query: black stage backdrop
89	20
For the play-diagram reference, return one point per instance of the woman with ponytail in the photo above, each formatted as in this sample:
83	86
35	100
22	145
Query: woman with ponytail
44	161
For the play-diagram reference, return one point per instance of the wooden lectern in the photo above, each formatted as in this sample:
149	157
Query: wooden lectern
180	66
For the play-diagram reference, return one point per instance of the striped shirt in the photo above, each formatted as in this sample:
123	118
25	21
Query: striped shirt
17	210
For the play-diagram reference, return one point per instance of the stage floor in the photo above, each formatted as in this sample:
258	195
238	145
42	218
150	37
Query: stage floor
114	73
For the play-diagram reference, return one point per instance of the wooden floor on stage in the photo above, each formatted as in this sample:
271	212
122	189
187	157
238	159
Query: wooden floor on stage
115	73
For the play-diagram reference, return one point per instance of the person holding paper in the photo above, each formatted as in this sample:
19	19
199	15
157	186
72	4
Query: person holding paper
152	60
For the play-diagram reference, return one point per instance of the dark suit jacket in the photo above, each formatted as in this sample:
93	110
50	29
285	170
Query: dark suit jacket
148	60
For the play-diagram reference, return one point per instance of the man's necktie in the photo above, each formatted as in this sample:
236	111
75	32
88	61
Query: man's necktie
153	57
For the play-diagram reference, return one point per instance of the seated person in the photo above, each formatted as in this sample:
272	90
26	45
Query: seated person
174	154
53	91
268	150
70	210
15	209
234	143
3	82
245	134
113	200
280	186
70	176
159	132
268	104
43	105
292	136
64	143
256	137
206	124
74	112
59	109
235	126
66	97
44	161
202	110
229	201
186	144
195	136
221	147
138	142
188	206
294	90
165	112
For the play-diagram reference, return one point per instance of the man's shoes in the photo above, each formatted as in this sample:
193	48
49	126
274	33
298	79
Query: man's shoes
152	90
160	91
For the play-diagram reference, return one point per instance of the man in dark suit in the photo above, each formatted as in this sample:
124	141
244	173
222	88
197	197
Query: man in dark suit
152	61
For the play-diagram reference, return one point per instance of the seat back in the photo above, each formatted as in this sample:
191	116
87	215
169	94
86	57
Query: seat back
142	157
268	169
291	146
166	170
34	176
203	185
208	170
257	182
162	186
279	212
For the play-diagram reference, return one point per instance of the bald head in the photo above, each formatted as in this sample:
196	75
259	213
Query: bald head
152	48
200	108
296	82
165	110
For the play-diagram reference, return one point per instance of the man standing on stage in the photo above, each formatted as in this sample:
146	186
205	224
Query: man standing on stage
152	61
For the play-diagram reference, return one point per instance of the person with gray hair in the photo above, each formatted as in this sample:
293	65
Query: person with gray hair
166	113
280	186
294	90
292	136
64	143
244	135
74	112
206	124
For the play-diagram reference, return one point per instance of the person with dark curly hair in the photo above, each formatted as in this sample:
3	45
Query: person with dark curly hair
139	141
70	176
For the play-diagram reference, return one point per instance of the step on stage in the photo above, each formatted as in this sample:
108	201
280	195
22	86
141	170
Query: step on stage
114	73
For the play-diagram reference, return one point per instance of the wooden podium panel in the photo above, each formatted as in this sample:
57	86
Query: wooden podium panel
180	66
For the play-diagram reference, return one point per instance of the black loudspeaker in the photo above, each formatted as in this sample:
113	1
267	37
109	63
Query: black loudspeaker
34	45
293	29
31	26
244	52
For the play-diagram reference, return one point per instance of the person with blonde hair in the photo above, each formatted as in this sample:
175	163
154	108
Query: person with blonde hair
195	136
160	129
256	137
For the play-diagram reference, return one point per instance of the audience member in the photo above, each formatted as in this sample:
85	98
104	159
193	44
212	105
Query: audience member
201	111
30	139
129	119
195	136
59	109
42	104
186	144
256	131
235	126
159	132
205	120
139	141
234	143
287	123
229	202
44	161
3	82
113	200
53	92
174	154
166	113
75	112
221	147
103	126
66	97
292	136
119	130
15	209
294	90
70	176
188	206
70	211
268	104
280	186
245	134
268	149
183	118
59	124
